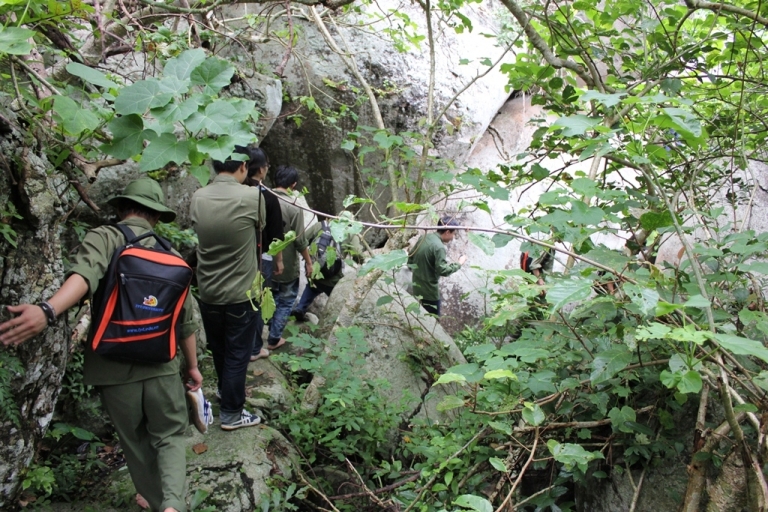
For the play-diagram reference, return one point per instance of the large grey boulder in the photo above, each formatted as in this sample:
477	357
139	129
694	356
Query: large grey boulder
404	343
400	80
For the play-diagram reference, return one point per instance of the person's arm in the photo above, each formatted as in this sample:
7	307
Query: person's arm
307	262
31	321
278	260
189	349
444	268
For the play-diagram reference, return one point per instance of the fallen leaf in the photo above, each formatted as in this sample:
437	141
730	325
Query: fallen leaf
258	373
200	448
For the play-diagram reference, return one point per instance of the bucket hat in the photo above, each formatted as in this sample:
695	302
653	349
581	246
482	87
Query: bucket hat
146	192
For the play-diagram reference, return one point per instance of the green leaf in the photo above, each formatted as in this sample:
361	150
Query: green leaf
218	149
137	97
384	300
745	408
128	136
74	118
216	118
268	306
174	86
498	464
450	402
609	100
533	414
500	427
690	382
566	291
473	502
202	173
586	215
619	418
609	362
576	125
279	245
572	455
639	428
15	40
181	67
163	150
349	145
644	298
759	267
90	75
386	141
385	262
439	176
483	242
213	74
500	240
654	330
500	374
742	346
409	207
665	308
174	112
447	378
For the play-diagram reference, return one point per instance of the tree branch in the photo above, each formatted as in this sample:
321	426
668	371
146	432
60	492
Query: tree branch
540	44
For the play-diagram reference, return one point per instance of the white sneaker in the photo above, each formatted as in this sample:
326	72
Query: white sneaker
200	412
246	420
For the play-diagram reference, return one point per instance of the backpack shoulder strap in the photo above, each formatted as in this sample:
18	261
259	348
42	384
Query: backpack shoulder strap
131	238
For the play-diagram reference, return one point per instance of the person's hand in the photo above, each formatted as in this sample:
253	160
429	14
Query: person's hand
308	268
28	322
278	268
462	259
194	379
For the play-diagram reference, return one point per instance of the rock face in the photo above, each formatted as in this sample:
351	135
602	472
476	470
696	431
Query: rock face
313	143
404	341
230	469
30	272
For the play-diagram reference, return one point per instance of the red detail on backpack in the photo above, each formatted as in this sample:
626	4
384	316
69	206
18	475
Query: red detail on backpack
140	322
137	305
135	338
525	262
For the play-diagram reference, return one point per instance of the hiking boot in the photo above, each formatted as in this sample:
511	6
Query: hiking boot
300	316
246	420
200	412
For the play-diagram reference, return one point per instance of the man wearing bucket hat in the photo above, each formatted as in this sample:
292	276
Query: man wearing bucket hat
145	401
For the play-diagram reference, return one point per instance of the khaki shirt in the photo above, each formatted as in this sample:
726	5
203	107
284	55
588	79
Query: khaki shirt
91	262
226	215
293	220
428	265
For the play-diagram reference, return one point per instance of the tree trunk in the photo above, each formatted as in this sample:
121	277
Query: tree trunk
31	272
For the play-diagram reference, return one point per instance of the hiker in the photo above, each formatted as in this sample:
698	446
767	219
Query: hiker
429	265
285	286
327	276
226	217
145	402
258	165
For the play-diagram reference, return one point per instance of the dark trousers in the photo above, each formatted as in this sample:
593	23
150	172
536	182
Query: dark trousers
310	293
431	306
230	330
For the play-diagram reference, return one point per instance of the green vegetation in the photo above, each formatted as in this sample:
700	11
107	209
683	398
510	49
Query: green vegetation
653	120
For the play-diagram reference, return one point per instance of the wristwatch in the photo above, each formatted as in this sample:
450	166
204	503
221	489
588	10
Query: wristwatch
50	313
